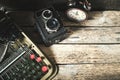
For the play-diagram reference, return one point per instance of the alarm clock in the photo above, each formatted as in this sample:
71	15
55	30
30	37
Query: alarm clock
76	14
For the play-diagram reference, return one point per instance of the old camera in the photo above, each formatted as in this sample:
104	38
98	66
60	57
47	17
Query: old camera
49	26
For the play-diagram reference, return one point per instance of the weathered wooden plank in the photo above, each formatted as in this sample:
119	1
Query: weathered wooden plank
72	54
84	35
93	35
89	72
97	18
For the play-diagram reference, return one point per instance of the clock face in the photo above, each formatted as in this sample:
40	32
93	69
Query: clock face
76	14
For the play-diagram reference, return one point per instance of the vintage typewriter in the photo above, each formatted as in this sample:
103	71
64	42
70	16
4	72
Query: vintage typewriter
20	58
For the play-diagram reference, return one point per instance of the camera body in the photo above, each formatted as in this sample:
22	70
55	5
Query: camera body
49	26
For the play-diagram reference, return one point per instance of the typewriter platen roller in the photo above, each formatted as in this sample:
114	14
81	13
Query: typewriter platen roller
22	60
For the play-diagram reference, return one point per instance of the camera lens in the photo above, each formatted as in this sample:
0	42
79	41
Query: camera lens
53	24
47	14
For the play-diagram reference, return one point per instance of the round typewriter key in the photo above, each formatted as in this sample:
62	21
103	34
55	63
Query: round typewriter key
24	72
32	56
38	59
29	76
33	71
44	68
37	67
28	68
39	73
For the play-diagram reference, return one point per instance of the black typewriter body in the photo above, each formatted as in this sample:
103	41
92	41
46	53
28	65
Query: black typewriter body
20	58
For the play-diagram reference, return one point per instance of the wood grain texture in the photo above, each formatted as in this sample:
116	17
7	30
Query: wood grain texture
91	51
74	54
83	35
93	35
97	18
98	58
89	72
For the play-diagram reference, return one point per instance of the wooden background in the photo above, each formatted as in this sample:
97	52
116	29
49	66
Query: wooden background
91	51
37	4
